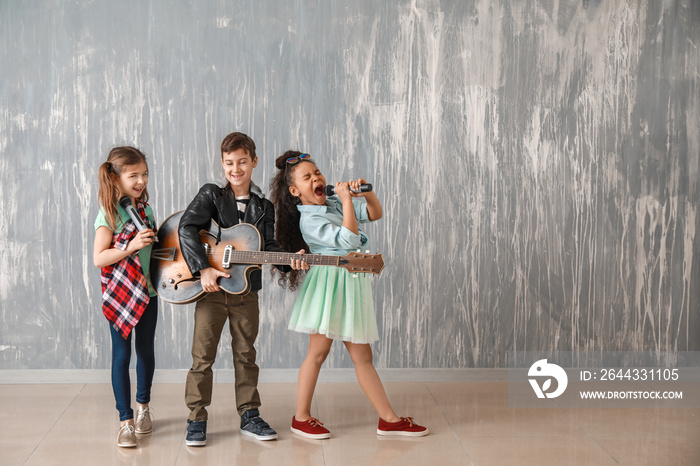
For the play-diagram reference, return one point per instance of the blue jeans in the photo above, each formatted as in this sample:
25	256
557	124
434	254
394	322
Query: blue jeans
145	331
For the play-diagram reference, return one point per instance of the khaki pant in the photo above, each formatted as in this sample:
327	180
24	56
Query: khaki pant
210	315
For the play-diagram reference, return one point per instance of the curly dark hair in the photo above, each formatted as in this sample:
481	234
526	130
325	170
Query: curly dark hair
287	231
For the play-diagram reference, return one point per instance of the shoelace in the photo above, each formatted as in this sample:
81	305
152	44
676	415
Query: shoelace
409	420
141	413
314	422
129	428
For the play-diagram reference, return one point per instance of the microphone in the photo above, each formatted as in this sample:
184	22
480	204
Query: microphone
125	202
329	190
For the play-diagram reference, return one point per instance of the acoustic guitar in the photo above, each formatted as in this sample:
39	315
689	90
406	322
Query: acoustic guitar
235	251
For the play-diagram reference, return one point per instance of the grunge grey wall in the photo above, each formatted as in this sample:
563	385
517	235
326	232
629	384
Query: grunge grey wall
537	161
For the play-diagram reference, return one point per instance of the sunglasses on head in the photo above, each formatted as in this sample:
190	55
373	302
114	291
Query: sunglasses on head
297	158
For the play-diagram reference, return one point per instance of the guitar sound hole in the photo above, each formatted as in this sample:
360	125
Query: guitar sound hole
185	281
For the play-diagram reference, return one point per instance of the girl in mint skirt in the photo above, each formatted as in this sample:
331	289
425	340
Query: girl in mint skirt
331	304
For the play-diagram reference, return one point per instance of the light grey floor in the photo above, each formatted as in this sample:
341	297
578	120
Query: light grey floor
467	414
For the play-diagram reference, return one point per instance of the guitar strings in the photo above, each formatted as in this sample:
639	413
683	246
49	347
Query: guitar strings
314	259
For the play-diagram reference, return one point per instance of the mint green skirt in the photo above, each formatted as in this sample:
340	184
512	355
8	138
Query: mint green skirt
333	303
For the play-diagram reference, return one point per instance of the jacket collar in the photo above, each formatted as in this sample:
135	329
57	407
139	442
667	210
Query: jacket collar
255	189
228	211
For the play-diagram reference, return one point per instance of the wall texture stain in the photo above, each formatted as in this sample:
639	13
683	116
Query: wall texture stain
537	161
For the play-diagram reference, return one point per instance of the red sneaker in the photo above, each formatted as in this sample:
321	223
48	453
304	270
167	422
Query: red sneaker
405	427
311	428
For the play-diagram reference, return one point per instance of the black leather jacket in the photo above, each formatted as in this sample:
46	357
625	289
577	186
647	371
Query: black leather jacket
213	202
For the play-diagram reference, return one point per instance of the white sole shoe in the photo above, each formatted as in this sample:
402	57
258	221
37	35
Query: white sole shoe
259	437
401	433
311	436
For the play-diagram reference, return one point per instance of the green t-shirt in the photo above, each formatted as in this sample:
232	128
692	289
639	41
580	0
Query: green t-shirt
144	253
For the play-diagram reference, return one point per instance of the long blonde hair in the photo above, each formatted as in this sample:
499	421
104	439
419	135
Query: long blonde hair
118	159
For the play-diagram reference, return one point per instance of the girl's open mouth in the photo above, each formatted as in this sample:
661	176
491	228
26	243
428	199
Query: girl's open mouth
318	191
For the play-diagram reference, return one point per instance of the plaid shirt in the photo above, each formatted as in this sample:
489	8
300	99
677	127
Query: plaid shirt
124	287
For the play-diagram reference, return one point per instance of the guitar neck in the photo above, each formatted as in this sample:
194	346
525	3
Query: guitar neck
277	258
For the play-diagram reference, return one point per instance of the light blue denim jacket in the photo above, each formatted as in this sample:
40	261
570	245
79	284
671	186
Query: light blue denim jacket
323	230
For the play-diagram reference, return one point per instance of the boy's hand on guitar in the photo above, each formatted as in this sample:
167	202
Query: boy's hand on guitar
297	264
142	239
208	278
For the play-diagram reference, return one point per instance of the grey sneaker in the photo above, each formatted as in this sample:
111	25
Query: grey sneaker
127	436
254	426
196	433
144	420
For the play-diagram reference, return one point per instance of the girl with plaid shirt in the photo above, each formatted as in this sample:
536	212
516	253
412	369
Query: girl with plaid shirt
128	298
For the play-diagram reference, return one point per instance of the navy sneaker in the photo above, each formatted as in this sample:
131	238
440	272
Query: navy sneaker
253	425
196	433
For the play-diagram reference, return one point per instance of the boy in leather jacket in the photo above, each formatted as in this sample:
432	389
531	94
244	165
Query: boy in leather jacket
240	201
